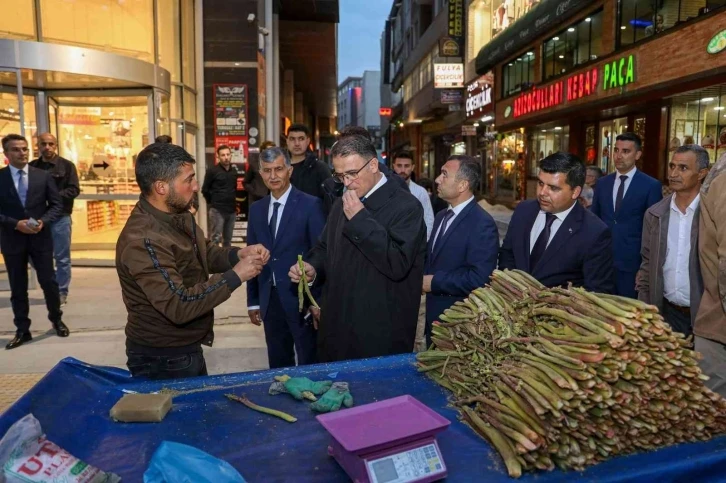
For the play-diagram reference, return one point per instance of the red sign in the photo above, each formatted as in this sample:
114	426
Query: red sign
581	85
539	98
385	111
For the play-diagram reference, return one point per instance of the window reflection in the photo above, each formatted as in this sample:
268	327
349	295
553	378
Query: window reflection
518	74
576	45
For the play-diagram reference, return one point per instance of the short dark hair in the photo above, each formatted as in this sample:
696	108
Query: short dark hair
631	136
469	170
163	139
594	169
159	162
223	146
403	154
702	159
566	163
351	145
355	131
12	137
297	127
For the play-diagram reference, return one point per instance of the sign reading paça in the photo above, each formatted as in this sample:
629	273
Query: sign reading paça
618	73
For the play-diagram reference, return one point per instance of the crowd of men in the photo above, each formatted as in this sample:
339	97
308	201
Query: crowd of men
373	245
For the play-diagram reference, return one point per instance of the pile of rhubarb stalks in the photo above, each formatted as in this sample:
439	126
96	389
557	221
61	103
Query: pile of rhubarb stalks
568	378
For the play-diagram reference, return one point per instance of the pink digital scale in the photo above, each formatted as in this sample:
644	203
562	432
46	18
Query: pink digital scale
391	441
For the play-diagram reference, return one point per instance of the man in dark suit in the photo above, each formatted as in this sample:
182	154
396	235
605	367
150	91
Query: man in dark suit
621	200
554	238
288	223
462	251
29	203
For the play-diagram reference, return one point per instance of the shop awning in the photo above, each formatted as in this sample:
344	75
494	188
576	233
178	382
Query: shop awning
543	17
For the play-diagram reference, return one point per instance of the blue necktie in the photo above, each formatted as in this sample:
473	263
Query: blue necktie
540	245
273	220
449	214
22	187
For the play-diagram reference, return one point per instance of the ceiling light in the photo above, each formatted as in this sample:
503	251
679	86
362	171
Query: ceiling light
562	56
558	128
11	110
133	119
486	118
544	130
588	19
110	113
719	108
476	124
623	27
236	63
707	99
555	38
510	64
530	53
571	29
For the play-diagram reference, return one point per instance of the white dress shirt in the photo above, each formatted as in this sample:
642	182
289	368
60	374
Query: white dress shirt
380	183
423	196
14	173
457	209
676	269
616	185
541	221
283	201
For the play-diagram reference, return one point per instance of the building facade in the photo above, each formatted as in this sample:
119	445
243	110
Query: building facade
350	100
359	100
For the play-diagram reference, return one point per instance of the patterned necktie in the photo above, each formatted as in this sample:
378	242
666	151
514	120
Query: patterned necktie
621	192
449	214
541	244
273	220
22	187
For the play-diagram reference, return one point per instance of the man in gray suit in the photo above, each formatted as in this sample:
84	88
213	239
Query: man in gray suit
670	275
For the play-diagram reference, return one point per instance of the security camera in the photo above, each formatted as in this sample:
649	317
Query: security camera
251	18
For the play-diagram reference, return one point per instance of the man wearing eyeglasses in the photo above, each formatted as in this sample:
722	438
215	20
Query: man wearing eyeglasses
370	258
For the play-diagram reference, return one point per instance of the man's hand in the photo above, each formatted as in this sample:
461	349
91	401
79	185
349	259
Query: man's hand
315	314
23	227
253	250
351	204
295	273
249	267
427	283
255	317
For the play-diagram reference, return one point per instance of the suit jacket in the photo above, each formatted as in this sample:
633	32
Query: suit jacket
463	259
42	202
627	224
302	222
649	281
579	252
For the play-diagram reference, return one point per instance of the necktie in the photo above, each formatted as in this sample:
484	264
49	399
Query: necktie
621	192
449	214
22	187
273	220
541	244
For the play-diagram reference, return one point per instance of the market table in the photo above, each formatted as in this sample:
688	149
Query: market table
73	400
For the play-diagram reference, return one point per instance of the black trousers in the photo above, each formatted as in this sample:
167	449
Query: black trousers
176	366
679	320
284	337
17	266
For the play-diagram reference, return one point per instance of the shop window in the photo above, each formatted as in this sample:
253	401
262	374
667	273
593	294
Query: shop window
578	44
509	154
700	118
640	19
10	121
190	106
506	12
18	20
480	28
188	50
169	31
609	130
546	141
124	28
518	74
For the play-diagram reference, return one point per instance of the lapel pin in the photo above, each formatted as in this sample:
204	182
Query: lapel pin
570	231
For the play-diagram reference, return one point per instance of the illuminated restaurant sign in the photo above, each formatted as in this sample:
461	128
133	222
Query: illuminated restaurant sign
581	85
538	99
618	73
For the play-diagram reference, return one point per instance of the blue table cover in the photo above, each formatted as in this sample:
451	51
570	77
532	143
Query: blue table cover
73	400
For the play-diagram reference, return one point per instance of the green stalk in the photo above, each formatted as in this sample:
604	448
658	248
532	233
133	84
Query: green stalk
499	441
261	409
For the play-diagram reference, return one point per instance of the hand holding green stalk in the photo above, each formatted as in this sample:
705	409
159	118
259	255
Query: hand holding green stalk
303	286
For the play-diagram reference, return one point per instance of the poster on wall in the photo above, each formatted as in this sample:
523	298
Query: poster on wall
230	110
239	147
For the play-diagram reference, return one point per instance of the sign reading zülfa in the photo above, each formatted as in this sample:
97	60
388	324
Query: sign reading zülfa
618	73
448	76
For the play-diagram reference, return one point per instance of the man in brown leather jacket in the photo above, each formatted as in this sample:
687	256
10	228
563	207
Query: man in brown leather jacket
164	265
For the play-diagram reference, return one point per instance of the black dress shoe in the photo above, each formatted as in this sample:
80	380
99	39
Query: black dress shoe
19	340
61	329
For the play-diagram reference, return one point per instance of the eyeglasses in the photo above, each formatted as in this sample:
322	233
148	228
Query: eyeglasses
349	175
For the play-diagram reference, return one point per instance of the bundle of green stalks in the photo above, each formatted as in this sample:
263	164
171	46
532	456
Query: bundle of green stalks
566	377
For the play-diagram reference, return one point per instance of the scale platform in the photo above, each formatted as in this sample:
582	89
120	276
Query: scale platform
390	441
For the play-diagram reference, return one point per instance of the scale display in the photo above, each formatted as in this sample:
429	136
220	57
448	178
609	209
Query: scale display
406	466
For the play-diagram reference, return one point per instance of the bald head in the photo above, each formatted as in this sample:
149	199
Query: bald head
48	146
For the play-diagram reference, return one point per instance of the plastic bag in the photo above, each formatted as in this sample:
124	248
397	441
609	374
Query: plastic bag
27	456
179	463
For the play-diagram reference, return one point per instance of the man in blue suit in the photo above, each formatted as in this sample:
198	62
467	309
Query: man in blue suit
462	251
554	238
287	222
621	200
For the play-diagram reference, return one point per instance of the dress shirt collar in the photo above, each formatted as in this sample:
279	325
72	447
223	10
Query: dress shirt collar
14	170
692	207
460	207
629	174
562	214
380	183
283	199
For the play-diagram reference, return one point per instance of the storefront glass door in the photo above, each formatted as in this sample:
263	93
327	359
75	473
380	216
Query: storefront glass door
102	136
609	130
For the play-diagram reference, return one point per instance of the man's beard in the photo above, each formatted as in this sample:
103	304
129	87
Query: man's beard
176	204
